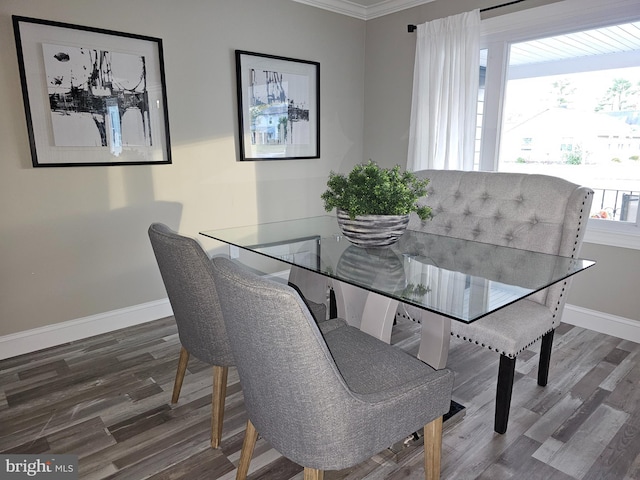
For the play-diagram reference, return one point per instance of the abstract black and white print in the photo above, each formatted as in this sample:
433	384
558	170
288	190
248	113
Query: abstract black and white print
279	108
97	97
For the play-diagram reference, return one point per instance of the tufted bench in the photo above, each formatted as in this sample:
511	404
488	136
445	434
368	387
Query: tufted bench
531	212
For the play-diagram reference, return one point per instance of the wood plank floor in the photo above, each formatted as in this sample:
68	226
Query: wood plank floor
107	400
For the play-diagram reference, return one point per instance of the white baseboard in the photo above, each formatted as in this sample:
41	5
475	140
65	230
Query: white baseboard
620	327
64	332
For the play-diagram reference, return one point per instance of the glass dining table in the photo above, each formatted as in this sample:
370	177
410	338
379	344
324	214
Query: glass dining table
441	279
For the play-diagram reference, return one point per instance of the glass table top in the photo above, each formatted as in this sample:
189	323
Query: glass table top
460	279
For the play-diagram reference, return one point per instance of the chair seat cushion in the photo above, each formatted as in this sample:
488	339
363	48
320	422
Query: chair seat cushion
510	330
373	368
326	326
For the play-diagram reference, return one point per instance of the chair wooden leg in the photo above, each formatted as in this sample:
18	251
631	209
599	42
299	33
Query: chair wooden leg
249	443
182	368
217	403
313	474
506	374
432	449
545	358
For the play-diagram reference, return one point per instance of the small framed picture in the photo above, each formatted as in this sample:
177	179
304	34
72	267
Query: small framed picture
92	96
278	107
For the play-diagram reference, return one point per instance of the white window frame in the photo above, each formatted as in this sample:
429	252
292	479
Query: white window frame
567	16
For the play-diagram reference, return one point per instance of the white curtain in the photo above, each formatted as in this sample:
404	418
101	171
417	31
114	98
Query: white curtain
445	93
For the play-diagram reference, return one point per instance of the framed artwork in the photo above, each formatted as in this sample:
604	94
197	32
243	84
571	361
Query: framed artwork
278	107
92	96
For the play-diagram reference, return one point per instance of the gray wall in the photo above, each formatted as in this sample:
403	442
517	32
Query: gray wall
607	287
73	241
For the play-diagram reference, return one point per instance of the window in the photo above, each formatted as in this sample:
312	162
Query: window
580	116
562	97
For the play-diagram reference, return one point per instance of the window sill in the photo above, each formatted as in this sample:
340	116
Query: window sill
623	236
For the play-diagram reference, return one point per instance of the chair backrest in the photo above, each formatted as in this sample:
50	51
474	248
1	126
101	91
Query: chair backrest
292	388
187	274
531	212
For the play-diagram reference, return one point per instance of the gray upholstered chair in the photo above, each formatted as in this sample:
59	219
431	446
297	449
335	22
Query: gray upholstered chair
188	278
532	212
326	402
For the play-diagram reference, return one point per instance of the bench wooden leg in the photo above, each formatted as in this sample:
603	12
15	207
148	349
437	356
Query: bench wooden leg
506	374
545	358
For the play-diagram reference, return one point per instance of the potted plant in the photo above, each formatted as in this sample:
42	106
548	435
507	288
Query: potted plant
373	203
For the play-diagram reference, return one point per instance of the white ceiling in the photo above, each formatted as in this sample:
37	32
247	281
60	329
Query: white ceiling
364	9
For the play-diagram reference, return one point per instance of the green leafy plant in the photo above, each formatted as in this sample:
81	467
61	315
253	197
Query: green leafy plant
373	190
415	291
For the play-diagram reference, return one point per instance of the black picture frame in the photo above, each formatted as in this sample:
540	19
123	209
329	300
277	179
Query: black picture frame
278	107
92	97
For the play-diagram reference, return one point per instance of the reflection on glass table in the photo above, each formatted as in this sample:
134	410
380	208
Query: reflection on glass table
459	279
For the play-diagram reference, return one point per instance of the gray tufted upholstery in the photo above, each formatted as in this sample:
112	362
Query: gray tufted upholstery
188	278
328	402
531	212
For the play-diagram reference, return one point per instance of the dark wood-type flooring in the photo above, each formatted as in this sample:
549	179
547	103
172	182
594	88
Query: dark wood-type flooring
107	399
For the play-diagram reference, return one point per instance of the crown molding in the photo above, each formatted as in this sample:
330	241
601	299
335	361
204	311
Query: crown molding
339	6
345	7
387	7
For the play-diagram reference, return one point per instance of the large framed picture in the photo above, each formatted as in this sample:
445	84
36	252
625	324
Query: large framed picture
92	96
278	107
